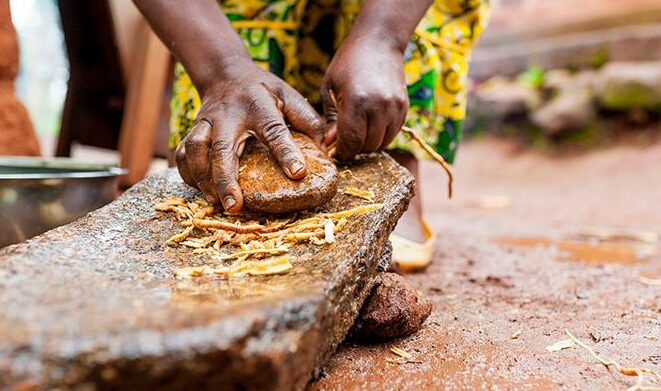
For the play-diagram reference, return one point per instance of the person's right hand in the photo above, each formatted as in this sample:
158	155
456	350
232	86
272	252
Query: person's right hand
246	100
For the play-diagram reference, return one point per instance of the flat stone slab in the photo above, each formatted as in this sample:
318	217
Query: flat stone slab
95	304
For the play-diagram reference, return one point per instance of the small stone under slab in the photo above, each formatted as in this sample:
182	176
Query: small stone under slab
95	304
394	309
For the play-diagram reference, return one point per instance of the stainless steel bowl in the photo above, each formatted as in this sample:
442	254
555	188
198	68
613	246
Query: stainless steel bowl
39	194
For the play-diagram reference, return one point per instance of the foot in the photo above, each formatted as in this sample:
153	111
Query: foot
410	224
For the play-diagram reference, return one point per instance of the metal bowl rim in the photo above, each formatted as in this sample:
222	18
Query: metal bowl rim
94	170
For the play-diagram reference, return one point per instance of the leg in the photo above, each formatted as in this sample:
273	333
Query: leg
410	225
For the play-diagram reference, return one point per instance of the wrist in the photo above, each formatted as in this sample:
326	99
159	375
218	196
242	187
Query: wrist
390	22
220	70
377	38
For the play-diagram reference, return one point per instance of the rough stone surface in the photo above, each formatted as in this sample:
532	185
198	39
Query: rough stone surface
394	309
267	189
630	85
94	304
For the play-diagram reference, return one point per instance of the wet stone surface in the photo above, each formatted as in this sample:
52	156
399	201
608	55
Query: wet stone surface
95	303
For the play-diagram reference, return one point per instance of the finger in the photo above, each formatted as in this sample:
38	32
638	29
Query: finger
391	132
376	130
197	144
351	130
395	127
330	114
330	134
225	149
328	100
182	165
301	115
270	127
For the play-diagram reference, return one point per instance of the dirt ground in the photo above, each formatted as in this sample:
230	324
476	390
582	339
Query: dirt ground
512	272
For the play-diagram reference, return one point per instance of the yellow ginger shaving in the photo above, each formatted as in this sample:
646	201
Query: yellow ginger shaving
255	240
272	266
367	195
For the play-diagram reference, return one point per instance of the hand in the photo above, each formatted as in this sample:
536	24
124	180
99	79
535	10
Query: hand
242	101
365	96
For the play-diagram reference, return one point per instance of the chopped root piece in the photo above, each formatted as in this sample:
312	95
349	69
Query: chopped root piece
267	267
650	281
561	345
203	212
317	241
347	171
256	238
329	231
259	268
235	227
352	212
168	204
180	237
193	243
401	353
301	236
269	251
194	271
367	195
642	374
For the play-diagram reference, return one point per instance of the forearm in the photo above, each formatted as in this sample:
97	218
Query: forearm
198	34
389	20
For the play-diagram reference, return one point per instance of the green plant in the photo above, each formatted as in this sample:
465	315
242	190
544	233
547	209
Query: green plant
533	77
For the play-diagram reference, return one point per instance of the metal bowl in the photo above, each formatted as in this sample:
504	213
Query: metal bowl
39	194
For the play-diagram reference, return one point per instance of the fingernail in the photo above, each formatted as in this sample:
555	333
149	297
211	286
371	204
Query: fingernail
296	167
210	199
228	202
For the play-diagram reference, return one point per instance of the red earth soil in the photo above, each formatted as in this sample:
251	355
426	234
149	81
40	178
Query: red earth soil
512	272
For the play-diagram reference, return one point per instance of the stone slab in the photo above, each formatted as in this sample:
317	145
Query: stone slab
94	304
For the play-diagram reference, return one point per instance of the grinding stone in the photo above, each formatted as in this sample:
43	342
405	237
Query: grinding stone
266	189
95	304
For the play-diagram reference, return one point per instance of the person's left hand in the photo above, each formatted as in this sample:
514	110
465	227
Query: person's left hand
365	96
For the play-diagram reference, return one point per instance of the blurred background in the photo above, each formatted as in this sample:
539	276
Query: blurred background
552	74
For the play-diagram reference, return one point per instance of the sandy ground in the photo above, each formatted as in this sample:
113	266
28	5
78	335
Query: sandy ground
497	306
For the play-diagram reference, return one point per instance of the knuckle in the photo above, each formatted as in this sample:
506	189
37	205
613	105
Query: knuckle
222	147
224	183
194	140
315	121
273	131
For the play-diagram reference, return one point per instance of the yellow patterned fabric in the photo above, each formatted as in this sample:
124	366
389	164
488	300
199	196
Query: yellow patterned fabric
296	39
